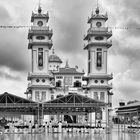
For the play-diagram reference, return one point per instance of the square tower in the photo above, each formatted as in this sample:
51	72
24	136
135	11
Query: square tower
39	43
97	46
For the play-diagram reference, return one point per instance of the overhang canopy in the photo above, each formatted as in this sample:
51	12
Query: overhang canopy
72	103
10	103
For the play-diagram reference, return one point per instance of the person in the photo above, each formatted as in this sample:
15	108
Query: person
99	123
30	127
36	127
46	127
50	127
60	127
13	127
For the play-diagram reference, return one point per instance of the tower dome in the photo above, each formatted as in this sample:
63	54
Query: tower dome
54	58
54	62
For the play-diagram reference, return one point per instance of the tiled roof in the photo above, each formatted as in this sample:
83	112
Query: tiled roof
38	15
97	16
68	71
135	104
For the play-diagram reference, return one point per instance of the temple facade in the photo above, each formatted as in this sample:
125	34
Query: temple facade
48	80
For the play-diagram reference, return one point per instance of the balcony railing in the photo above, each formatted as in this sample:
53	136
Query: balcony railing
108	86
42	28
43	42
108	43
102	29
98	29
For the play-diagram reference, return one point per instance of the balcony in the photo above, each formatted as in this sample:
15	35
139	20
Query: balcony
35	30
48	43
99	76
108	44
95	31
107	86
38	75
31	86
42	28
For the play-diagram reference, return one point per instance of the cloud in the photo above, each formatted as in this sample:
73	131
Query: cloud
4	15
132	6
124	84
68	18
13	52
134	25
6	73
13	46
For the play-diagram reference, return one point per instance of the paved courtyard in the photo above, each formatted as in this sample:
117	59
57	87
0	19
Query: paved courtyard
113	136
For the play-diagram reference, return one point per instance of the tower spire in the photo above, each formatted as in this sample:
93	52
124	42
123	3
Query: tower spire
67	64
97	9
39	7
97	3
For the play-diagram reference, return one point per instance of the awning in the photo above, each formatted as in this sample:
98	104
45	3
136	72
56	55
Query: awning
72	103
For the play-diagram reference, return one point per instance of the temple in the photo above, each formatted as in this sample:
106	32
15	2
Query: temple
49	81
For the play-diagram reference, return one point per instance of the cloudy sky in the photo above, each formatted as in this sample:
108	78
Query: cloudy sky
68	19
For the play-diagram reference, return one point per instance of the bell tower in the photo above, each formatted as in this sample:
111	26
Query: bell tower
39	43
98	43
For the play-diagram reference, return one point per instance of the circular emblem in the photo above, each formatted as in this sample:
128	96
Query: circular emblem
98	24
40	23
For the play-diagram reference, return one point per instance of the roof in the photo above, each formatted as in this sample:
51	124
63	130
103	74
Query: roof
132	105
129	108
12	104
39	15
97	16
67	70
10	98
76	98
72	103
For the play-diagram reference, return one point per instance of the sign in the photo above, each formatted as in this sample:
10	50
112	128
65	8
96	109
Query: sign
72	90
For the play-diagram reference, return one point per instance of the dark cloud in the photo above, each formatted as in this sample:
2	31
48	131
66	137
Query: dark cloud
13	50
70	25
13	44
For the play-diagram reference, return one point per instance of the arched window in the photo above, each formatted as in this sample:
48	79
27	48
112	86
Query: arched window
77	84
58	84
99	58
52	97
40	57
